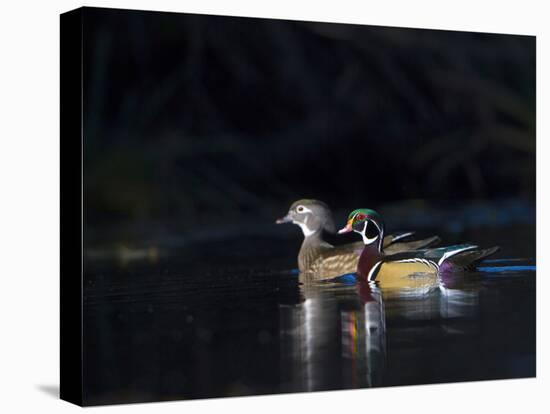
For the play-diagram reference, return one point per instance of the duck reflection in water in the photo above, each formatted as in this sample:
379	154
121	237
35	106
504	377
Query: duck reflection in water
337	336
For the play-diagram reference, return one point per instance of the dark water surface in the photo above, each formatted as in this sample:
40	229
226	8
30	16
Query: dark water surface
213	321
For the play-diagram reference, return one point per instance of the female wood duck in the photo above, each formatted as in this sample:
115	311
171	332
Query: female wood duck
393	270
322	260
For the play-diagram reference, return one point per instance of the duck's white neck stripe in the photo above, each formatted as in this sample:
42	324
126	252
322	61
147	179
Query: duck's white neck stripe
305	229
366	240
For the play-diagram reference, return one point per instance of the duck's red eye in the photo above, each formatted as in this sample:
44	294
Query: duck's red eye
360	216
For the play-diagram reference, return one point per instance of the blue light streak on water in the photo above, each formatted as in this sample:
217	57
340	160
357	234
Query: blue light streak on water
348	279
506	260
502	269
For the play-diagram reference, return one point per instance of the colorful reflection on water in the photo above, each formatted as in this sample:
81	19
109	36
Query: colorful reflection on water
470	326
188	327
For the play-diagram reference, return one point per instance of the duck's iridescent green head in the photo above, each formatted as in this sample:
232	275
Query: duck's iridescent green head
366	222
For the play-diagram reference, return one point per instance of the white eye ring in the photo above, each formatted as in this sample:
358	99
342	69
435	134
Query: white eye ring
303	209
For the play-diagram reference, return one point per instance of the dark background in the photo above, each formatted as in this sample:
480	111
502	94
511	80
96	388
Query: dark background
216	124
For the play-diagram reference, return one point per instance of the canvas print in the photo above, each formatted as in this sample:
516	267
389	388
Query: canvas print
274	206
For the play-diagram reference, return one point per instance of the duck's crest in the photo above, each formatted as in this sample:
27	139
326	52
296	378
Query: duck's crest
366	211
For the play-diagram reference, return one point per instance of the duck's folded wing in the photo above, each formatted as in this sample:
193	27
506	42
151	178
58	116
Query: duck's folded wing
434	254
405	246
469	258
354	248
459	255
394	237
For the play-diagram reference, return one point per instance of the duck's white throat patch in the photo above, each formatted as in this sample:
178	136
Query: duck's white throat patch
305	229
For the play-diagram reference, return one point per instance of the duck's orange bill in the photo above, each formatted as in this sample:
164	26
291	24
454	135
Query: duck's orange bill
346	229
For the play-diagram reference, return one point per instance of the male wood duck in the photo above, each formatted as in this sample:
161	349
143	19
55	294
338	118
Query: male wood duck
320	259
394	270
